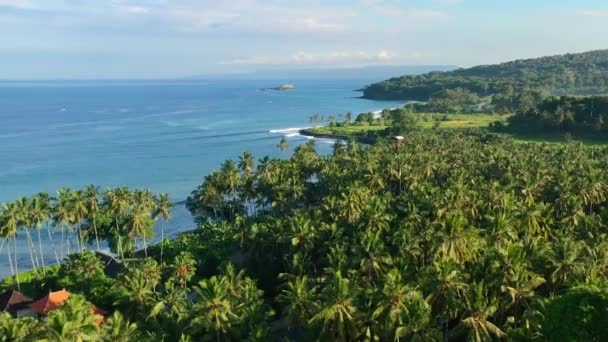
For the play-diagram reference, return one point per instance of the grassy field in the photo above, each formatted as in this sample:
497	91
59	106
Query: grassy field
428	121
461	120
455	121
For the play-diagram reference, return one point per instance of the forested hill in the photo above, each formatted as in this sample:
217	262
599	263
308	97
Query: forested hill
575	74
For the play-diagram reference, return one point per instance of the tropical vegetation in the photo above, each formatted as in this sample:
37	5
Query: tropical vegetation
575	74
447	235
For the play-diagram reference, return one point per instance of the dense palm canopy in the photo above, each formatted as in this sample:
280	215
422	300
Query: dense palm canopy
450	235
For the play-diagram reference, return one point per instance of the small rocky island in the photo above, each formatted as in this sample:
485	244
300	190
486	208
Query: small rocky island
282	87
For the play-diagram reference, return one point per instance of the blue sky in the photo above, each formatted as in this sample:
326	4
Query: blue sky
173	38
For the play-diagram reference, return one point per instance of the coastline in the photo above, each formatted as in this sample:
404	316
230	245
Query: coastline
308	132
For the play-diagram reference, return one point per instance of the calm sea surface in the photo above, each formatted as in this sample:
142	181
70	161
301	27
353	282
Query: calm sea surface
165	136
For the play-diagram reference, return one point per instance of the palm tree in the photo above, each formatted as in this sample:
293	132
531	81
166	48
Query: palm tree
62	214
477	324
337	313
19	329
300	301
140	225
135	293
25	222
118	329
47	208
283	145
73	321
118	201
246	163
213	310
79	213
447	292
184	267
10	225
163	209
91	197
39	212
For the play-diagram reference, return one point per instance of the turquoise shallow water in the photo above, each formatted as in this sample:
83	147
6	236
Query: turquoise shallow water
161	135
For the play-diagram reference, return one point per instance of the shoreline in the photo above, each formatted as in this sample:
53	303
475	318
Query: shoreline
308	132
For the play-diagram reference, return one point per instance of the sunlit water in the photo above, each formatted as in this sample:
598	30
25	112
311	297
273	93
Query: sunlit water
165	136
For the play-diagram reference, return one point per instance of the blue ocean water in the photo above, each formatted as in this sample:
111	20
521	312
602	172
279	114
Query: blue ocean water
161	135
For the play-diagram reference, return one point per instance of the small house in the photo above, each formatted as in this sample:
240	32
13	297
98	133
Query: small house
111	267
54	300
398	139
16	304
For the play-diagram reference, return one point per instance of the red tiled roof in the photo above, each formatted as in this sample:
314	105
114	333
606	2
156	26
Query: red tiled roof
54	300
51	302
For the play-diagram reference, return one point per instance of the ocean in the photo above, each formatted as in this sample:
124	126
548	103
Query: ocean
161	135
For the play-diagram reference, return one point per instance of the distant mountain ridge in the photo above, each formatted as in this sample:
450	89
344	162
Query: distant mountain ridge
576	74
365	73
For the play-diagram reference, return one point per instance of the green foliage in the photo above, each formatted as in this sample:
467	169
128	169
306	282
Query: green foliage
35	283
563	114
73	321
19	329
451	234
580	314
579	74
457	100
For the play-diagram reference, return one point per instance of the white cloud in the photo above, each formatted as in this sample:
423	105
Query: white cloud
16	3
135	9
594	13
385	8
449	2
258	16
343	58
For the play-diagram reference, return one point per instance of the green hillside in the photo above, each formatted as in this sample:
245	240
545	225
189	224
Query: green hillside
575	74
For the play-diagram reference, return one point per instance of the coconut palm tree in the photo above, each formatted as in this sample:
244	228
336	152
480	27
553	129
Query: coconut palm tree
118	201
10	225
40	213
91	197
213	310
140	224
62	215
337	311
283	145
118	329
183	268
246	163
79	213
300	301
477	324
19	329
163	209
25	222
73	321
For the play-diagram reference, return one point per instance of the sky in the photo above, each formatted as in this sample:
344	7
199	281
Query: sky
91	39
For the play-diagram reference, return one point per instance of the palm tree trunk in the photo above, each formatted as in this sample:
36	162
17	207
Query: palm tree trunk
15	257
68	241
62	242
95	229
162	239
119	249
79	238
30	246
40	249
10	259
143	237
48	230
